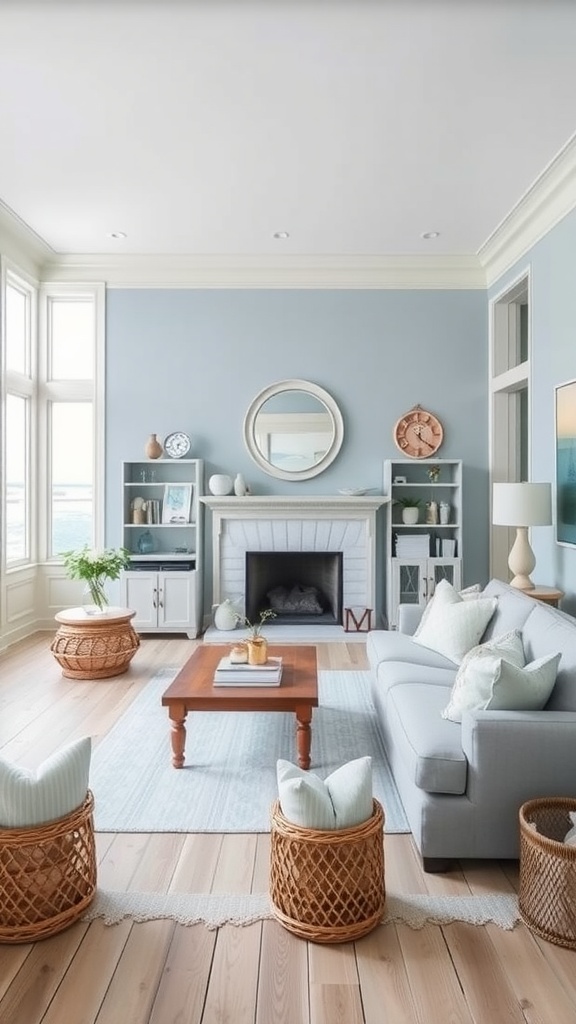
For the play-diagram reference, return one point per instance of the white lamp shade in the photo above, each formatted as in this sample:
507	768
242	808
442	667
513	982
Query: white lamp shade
522	504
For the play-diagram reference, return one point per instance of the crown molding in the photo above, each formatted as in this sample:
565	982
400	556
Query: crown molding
543	205
362	272
20	244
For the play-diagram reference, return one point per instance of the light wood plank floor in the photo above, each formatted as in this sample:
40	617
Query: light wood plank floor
163	973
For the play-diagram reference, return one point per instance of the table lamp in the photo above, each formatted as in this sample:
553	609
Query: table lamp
521	505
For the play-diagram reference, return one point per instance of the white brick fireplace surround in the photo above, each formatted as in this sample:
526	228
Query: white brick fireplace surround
284	523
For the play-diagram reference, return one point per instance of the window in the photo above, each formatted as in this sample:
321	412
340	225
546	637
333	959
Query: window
19	405
70	414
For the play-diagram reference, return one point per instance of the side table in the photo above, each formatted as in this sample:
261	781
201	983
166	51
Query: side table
94	646
549	595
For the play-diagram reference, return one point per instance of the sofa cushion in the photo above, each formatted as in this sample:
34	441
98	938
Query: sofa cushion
512	610
341	800
524	689
429	745
479	671
388	645
56	788
549	629
452	625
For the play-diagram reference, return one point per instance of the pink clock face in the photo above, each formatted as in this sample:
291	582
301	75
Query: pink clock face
418	434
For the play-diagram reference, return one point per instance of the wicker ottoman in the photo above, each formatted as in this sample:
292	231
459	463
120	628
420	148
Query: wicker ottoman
547	893
327	886
47	875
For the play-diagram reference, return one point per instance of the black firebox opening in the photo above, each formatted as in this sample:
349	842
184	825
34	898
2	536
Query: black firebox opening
302	587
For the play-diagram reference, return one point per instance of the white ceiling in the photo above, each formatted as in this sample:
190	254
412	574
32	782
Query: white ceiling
202	128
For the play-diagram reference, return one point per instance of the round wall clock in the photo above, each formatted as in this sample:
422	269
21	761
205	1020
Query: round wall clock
177	445
418	433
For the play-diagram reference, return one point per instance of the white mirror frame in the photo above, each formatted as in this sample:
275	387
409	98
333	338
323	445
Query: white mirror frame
250	433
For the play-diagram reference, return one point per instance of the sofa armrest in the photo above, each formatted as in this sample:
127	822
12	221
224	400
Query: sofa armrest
524	753
409	616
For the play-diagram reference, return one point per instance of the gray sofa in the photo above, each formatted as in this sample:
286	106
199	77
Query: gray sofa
462	785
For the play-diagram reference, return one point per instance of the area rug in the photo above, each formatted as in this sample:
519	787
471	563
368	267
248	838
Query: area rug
229	781
217	909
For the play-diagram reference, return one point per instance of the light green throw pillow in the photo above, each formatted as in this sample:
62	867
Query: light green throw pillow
56	788
342	800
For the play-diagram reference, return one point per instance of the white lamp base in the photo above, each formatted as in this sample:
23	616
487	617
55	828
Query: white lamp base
521	560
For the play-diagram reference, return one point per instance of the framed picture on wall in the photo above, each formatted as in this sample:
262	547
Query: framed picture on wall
565	407
177	503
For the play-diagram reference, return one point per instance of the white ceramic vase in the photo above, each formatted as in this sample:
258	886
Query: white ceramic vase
410	515
239	485
220	484
225	616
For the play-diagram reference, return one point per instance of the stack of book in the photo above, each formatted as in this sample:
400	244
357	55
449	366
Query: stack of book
412	545
229	673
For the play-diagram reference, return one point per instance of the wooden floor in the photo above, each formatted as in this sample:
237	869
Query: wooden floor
164	973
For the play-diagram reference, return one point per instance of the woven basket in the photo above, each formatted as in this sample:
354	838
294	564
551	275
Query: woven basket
547	893
95	654
327	886
47	875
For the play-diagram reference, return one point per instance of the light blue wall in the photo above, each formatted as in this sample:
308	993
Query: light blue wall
553	334
194	360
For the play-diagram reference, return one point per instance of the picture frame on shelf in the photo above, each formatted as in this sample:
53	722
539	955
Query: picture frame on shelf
177	504
565	438
400	480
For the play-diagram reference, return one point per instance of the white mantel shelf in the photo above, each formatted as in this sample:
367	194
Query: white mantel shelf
259	504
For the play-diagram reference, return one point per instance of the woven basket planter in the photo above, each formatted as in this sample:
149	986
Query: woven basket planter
47	875
547	893
327	886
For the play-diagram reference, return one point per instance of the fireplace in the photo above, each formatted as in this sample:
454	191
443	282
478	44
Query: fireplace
302	587
301	527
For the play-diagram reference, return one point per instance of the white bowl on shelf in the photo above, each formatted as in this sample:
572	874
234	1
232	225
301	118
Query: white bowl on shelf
353	491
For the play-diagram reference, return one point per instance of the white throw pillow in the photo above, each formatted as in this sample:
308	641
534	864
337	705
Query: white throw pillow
342	800
56	788
350	789
471	593
474	678
304	798
524	689
453	626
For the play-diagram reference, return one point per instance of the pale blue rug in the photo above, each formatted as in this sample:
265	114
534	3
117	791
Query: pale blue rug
229	781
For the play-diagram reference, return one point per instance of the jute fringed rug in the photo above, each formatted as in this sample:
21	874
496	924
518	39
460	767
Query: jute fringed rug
229	781
215	910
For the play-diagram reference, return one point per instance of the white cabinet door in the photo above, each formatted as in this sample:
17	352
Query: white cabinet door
140	592
414	581
176	601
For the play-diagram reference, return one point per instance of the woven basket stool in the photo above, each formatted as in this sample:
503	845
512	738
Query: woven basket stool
547	892
327	886
47	875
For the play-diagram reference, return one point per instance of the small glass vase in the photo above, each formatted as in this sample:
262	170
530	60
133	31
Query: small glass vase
94	599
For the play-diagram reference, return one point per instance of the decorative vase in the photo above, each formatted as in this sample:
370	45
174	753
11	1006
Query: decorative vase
432	512
94	597
239	485
153	448
146	543
220	484
444	513
257	650
410	515
225	617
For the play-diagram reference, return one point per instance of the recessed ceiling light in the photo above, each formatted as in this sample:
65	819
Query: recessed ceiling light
281	234
117	234
430	234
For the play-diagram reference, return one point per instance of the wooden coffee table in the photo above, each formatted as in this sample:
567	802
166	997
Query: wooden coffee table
193	690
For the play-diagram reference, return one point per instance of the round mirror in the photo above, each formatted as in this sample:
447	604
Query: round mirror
293	430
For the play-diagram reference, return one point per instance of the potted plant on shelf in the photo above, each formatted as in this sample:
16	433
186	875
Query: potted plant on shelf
410	509
95	568
256	643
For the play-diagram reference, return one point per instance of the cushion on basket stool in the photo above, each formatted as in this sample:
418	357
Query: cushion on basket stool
342	800
56	788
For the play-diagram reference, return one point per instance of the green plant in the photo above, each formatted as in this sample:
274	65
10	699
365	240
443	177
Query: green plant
256	628
95	567
433	474
408	502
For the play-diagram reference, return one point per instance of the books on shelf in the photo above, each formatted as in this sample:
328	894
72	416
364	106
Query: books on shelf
412	545
229	673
